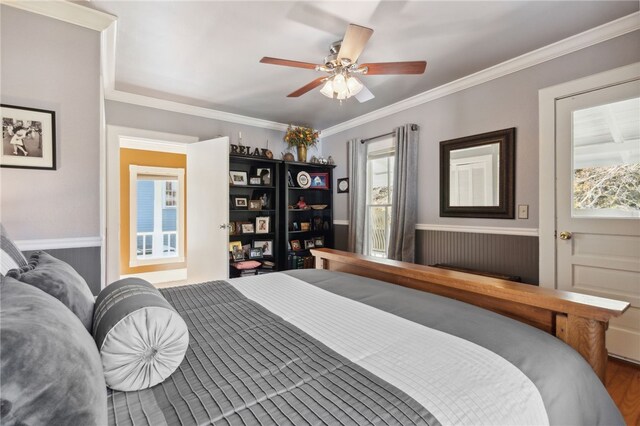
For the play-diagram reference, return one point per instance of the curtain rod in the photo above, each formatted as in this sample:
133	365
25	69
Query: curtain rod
376	137
414	127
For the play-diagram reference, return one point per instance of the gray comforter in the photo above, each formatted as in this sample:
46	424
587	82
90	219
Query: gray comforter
572	393
246	365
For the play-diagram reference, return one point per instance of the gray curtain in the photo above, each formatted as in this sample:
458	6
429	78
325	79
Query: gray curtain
405	194
357	168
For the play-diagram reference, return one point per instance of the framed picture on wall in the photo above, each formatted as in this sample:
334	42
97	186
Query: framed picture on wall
28	138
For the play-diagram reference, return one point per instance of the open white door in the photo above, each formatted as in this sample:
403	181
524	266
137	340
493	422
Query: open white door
597	213
207	210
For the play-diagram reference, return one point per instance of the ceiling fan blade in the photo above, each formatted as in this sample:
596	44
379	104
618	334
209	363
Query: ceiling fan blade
287	63
304	89
364	95
354	41
412	67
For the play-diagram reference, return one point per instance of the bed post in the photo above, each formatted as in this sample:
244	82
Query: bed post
587	337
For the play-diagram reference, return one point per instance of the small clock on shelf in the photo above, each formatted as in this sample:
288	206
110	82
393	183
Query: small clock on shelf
343	185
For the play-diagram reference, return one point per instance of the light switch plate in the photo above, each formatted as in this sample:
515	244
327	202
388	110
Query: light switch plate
523	211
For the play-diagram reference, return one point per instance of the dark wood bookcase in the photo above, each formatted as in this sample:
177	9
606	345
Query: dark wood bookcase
268	193
310	226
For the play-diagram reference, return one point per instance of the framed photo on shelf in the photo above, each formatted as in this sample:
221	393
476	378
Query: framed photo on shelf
232	228
255	180
247	228
240	202
305	226
233	245
255	205
238	254
28	138
265	175
308	244
318	241
255	253
295	245
265	245
262	196
238	178
319	180
262	224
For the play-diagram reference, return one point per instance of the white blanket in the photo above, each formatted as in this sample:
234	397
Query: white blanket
458	381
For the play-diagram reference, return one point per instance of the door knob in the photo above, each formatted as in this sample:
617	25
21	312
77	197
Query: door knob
565	235
225	226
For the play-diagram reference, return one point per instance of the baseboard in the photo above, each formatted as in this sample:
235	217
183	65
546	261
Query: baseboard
161	276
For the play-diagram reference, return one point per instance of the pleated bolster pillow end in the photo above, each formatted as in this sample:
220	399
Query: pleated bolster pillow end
140	336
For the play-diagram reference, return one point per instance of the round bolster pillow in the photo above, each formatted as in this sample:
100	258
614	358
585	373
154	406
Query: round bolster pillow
140	336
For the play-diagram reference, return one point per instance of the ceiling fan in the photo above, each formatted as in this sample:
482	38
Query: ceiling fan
342	67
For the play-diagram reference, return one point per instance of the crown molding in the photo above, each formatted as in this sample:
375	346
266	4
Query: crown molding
58	243
571	44
66	11
147	101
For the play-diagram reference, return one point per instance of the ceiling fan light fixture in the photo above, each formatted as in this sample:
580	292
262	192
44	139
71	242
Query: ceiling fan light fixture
354	85
327	89
339	84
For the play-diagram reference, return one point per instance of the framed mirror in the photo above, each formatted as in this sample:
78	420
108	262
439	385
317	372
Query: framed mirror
477	175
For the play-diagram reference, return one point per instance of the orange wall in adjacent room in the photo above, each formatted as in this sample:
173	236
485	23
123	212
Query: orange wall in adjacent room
144	158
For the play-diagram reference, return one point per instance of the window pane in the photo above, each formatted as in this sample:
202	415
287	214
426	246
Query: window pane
606	160
157	218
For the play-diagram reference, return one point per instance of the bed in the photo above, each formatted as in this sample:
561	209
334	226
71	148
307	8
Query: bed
335	345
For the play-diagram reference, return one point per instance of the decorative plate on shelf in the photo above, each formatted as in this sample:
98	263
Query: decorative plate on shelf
318	206
304	180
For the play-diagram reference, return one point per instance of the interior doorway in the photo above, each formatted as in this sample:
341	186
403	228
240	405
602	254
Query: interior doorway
163	207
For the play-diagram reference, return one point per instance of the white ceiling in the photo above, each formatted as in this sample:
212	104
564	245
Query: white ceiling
206	53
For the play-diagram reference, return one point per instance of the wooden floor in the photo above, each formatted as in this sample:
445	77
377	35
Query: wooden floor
623	384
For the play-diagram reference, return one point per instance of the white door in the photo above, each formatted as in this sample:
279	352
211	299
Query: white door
207	210
598	203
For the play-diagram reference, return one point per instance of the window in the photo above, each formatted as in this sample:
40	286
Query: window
157	215
170	193
380	164
606	160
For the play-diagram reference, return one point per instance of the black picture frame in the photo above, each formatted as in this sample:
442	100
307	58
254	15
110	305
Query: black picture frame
505	209
28	138
343	185
255	253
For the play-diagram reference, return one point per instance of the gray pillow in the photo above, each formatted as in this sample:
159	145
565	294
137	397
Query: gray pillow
10	256
51	371
59	280
140	336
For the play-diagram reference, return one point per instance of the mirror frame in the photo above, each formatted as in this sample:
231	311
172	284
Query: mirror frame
506	197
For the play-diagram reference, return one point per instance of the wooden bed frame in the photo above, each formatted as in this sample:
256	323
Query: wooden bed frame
577	319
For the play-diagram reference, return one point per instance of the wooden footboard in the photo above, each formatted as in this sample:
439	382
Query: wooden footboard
579	320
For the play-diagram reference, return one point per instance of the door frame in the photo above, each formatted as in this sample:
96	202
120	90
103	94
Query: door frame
547	99
137	139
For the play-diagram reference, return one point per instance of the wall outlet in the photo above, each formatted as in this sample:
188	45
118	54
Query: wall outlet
523	211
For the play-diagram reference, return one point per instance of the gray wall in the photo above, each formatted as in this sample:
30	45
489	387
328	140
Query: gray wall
510	101
139	117
85	260
500	254
53	65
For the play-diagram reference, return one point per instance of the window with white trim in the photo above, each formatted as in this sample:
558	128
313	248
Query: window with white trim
380	165
156	215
